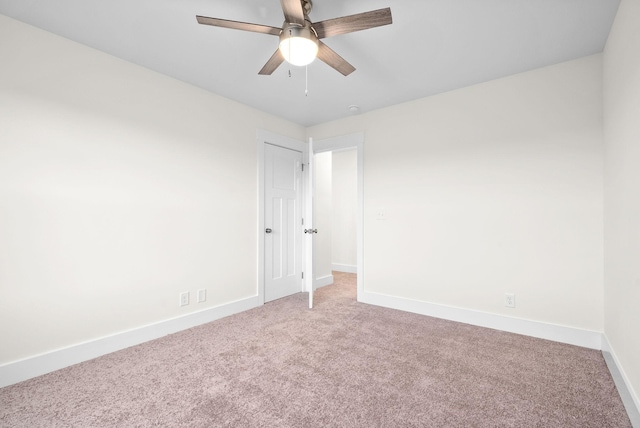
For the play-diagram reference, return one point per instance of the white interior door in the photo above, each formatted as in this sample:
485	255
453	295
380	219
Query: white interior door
309	230
283	222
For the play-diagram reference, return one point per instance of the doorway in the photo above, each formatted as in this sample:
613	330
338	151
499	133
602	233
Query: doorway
335	216
304	252
343	147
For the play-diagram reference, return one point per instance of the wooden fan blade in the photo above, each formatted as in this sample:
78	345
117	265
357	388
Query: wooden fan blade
293	13
328	56
237	25
351	23
273	63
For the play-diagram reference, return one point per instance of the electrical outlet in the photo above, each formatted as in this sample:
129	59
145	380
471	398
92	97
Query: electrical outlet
381	214
510	300
184	298
202	295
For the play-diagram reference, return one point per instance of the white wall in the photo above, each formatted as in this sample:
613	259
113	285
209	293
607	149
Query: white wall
490	189
344	254
119	189
622	190
323	208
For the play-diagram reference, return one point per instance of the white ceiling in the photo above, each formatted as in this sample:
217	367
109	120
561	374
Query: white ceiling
432	46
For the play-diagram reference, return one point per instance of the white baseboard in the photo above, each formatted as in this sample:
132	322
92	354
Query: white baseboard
322	281
558	333
28	368
18	371
344	268
574	336
627	393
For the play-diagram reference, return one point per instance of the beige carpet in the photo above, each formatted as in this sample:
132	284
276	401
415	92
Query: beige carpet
343	364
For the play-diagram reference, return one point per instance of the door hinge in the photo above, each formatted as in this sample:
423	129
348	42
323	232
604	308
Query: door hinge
302	167
303	222
302	275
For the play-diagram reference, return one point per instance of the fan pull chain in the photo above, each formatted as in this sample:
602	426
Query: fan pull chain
306	80
289	60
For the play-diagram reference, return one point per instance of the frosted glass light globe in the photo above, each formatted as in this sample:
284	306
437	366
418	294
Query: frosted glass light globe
298	45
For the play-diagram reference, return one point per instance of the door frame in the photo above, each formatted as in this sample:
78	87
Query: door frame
343	142
266	137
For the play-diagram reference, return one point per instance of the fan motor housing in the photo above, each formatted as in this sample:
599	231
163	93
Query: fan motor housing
295	30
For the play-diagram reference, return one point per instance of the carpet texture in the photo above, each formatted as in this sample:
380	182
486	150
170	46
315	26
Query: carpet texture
342	364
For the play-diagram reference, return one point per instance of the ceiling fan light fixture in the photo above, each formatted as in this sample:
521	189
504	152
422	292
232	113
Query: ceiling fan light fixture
300	38
298	45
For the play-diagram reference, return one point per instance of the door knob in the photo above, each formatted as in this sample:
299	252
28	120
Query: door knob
268	230
310	231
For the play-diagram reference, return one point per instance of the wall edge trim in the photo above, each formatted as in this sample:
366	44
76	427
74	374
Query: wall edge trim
323	281
628	395
37	365
542	330
338	267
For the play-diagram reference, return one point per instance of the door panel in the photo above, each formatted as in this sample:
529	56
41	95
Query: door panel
283	215
309	186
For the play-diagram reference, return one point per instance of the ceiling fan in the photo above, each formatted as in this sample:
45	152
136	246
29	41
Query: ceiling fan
300	38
